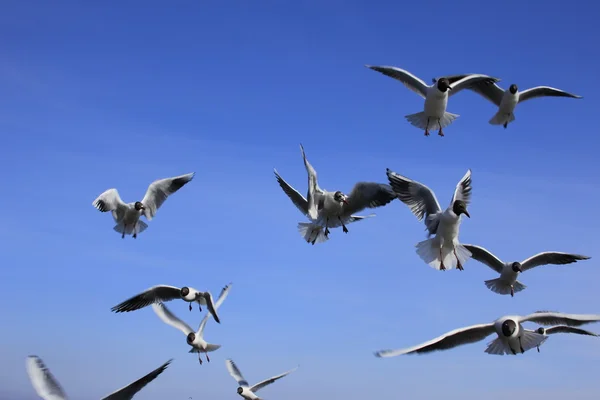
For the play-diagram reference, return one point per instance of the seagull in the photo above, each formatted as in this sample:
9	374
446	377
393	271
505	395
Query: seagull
336	206
509	271
562	329
436	96
127	215
512	337
314	232
194	339
245	390
48	388
441	251
507	101
164	293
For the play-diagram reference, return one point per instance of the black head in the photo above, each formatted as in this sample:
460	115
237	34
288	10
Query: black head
508	327
513	88
516	267
191	337
139	206
443	84
340	197
541	330
460	207
240	390
185	291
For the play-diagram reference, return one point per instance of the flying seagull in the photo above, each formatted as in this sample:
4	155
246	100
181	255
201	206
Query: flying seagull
127	215
509	271
164	293
563	329
48	388
507	101
194	339
512	337
443	251
245	390
434	113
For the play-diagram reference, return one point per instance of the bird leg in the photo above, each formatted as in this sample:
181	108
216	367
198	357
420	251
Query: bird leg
134	234
207	359
458	264
442	266
327	226
200	307
512	291
200	358
505	125
440	132
520	345
427	128
123	233
343	226
514	352
190	306
538	349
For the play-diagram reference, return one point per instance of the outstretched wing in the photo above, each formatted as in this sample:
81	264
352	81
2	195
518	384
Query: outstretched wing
217	304
457	337
159	190
485	257
557	318
314	191
409	80
299	201
149	296
463	189
488	90
544	91
127	392
170	319
42	380
267	382
235	373
468	81
368	195
551	257
419	198
111	201
569	329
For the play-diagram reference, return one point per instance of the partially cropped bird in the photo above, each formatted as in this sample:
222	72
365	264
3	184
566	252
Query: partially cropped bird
48	388
562	329
436	96
509	271
443	251
244	389
127	215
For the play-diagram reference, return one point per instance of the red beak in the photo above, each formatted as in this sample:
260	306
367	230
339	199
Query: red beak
345	201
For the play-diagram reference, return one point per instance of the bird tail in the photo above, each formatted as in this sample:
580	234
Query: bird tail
529	340
312	233
431	251
140	227
420	120
502	118
501	287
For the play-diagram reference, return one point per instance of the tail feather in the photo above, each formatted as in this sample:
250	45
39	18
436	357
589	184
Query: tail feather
420	120
501	287
312	233
502	118
529	340
433	254
140	227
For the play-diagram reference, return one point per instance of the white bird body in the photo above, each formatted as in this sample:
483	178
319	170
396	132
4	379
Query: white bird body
436	102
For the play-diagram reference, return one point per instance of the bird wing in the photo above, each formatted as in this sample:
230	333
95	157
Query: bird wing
551	257
267	382
170	319
42	380
147	297
557	318
463	189
159	190
451	78
222	296
127	392
299	201
457	337
544	91
111	201
314	191
409	80
368	195
569	329
468	81
485	257
419	198
235	373
488	90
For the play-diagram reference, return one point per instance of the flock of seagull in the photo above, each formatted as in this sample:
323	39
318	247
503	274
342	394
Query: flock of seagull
326	210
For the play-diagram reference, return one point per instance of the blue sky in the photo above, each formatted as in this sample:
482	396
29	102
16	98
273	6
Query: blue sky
118	94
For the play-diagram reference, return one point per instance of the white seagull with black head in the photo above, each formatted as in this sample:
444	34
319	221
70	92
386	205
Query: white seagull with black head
48	388
507	101
563	329
127	215
512	337
164	293
509	271
434	114
244	389
443	251
194	339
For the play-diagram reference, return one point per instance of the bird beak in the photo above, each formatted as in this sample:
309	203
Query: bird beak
345	201
143	207
466	213
519	269
449	87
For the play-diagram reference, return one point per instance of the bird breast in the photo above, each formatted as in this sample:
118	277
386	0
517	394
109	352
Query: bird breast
435	103
509	102
332	207
131	215
507	274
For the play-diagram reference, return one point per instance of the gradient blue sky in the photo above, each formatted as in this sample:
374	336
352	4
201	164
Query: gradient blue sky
118	94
